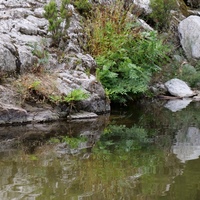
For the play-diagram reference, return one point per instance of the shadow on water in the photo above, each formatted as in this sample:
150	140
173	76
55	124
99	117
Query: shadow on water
144	151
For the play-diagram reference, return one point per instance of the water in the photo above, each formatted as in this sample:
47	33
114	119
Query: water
162	165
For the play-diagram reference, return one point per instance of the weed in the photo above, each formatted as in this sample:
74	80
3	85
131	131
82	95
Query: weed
71	99
33	88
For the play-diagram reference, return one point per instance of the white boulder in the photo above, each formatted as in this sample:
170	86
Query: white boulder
189	30
178	88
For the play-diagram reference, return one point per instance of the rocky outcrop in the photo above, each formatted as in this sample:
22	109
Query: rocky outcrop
23	39
189	29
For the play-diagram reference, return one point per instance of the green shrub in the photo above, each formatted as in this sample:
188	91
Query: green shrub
56	16
83	6
73	97
126	56
161	12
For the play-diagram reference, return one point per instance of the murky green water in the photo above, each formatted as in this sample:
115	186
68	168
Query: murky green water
164	164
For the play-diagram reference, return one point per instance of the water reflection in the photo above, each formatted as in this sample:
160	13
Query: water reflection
187	146
167	167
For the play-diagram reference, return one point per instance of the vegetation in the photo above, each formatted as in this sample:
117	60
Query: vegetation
83	6
126	55
73	97
161	12
58	18
34	88
40	51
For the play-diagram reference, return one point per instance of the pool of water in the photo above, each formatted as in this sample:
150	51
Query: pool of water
152	153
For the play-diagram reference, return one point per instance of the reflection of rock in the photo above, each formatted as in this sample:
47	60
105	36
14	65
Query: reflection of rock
187	145
178	104
33	135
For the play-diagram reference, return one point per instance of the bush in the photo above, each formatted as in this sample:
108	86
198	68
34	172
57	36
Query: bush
83	6
126	57
56	16
161	12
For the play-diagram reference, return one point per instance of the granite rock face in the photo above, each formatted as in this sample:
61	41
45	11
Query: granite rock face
23	31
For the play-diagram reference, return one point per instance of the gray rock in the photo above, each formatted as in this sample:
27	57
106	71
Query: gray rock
144	4
189	29
178	88
70	80
193	3
22	30
82	115
7	59
11	114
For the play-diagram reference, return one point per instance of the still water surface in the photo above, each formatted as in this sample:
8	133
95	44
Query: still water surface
164	167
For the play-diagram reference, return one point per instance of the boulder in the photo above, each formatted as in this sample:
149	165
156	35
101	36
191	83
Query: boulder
189	29
178	88
70	80
143	4
11	114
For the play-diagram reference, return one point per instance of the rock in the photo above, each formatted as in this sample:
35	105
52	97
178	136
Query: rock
178	88
158	89
82	115
24	38
42	116
11	114
189	29
178	104
193	3
144	4
144	25
70	80
7	60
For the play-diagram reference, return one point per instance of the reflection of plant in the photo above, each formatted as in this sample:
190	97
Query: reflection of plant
56	16
121	138
73	142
